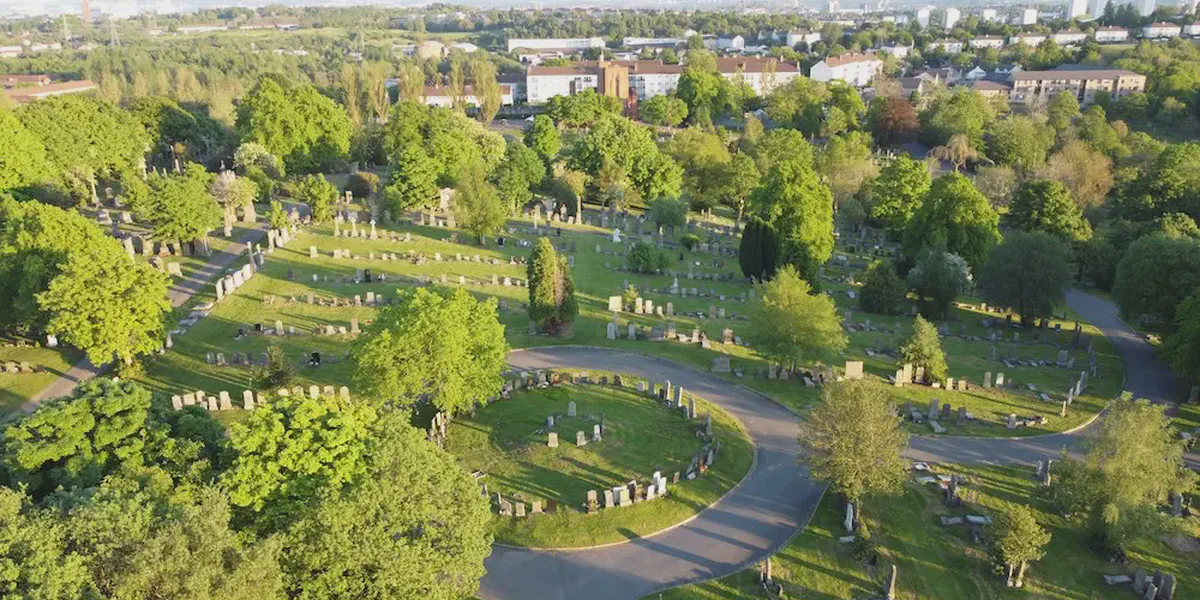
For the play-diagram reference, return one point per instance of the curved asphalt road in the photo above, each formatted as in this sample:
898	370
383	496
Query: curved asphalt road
1145	376
745	525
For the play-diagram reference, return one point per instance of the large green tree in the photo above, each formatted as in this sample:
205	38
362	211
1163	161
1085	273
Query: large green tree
1154	276
758	254
296	123
551	288
23	162
1017	539
620	142
793	199
883	291
898	192
790	323
292	447
414	527
319	194
954	215
962	111
663	110
413	181
1019	141
1046	205
447	345
940	277
854	440
1028	273
181	207
477	203
543	137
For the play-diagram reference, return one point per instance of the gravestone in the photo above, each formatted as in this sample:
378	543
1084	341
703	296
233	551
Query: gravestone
580	439
614	303
596	433
571	408
691	414
612	331
987	379
552	442
854	369
1012	421
720	364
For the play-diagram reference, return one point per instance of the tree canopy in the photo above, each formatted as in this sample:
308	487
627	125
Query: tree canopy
923	349
790	323
308	131
1028	273
800	208
629	147
551	288
1046	205
957	215
898	192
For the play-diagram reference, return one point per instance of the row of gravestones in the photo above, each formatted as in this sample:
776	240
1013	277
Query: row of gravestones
227	284
1156	586
934	417
629	494
223	401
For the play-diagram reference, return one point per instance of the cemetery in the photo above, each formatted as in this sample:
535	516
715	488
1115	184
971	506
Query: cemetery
327	282
931	543
589	458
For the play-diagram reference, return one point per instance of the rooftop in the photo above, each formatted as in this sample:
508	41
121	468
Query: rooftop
849	58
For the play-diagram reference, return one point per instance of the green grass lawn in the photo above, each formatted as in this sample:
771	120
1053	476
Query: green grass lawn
940	563
17	388
507	441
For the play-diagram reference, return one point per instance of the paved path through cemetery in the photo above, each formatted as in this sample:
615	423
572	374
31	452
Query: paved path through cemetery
182	290
748	523
1145	377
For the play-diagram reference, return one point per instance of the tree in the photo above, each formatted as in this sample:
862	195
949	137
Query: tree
520	171
362	184
845	164
800	208
415	527
106	426
107	305
924	350
413	182
142	537
663	110
941	277
1061	110
898	192
740	176
667	212
308	131
1019	142
543	137
703	155
485	87
1017	539
629	147
290	448
1045	205
1154	276
645	258
319	194
962	112
954	214
1086	173
447	345
958	151
1028	273
758	254
253	154
478	202
85	135
582	109
180	206
790	324
276	373
854	439
23	162
753	129
231	193
892	120
883	291
34	545
551	288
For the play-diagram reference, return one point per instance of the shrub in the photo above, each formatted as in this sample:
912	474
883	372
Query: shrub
689	241
362	184
645	258
883	292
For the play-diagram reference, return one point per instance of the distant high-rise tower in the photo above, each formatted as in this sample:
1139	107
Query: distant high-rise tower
87	11
1076	8
952	16
1097	8
1146	7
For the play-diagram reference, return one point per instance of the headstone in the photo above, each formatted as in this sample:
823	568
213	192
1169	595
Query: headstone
614	303
552	442
612	331
889	592
571	408
1012	421
691	408
596	433
580	439
854	369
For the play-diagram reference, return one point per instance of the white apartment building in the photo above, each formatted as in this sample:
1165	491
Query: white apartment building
1096	8
1029	39
853	68
1076	8
986	41
923	17
1161	30
948	45
988	14
649	78
802	35
1146	7
1029	16
898	51
755	72
1069	36
1192	30
1111	34
642	42
571	44
735	43
952	16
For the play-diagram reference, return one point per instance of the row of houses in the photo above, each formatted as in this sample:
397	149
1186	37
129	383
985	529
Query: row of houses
642	79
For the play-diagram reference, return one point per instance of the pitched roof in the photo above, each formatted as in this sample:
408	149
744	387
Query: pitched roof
1075	72
22	95
850	57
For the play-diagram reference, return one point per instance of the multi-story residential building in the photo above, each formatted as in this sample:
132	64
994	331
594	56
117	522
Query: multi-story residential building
947	45
561	44
986	41
802	35
1029	16
663	42
1076	8
952	16
1066	37
644	79
1029	39
990	87
853	68
1111	34
988	14
1146	7
1192	29
923	17
439	95
1083	82
1161	30
898	51
735	43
